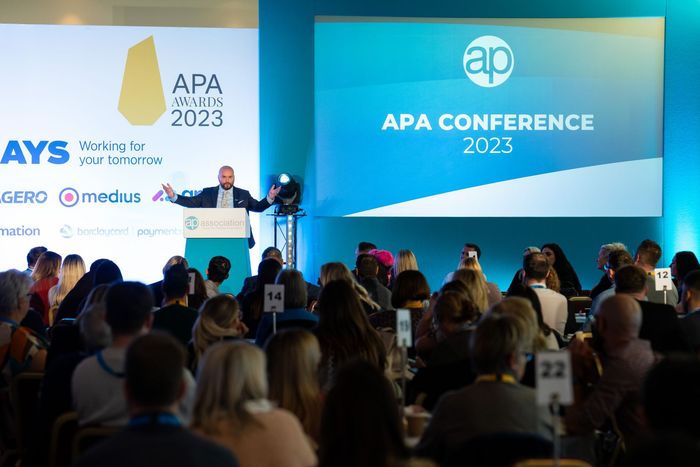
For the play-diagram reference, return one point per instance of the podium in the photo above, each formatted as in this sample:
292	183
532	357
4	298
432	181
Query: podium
213	232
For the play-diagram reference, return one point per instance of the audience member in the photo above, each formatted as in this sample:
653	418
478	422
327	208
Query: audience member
219	320
683	262
601	261
338	271
20	348
249	282
154	436
107	273
72	270
196	299
157	287
364	248
496	402
477	289
45	276
97	382
367	269
690	302
647	256
519	276
492	290
404	260
175	317
625	362
469	250
32	257
293	357
617	259
217	273
547	337
386	262
570	286
660	324
361	424
232	409
252	302
554	305
344	332
410	291
295	314
70	306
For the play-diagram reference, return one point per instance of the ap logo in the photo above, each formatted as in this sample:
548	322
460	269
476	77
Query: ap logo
488	61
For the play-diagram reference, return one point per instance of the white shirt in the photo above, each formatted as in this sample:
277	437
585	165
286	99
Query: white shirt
555	308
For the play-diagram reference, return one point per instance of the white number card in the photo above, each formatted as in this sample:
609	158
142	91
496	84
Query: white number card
274	298
403	328
553	378
662	279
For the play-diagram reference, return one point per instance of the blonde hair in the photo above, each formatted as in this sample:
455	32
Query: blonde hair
215	322
336	271
231	374
48	265
293	357
477	290
72	270
552	280
522	311
405	261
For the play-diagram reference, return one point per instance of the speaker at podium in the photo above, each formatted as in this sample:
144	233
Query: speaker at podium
213	232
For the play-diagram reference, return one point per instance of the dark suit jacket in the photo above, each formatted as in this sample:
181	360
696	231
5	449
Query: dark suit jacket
241	199
661	327
377	291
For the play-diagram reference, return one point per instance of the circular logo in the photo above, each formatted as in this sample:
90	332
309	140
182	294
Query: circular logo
68	197
488	61
191	223
66	231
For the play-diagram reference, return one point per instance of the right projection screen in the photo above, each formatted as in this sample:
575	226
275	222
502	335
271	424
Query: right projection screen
489	117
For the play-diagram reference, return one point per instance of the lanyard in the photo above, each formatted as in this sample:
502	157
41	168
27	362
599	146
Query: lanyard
9	321
155	419
537	286
107	368
492	378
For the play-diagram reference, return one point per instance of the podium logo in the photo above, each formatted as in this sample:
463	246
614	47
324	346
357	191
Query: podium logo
191	223
488	61
142	100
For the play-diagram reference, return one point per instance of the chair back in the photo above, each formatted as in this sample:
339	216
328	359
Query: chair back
61	449
88	436
24	397
500	450
550	463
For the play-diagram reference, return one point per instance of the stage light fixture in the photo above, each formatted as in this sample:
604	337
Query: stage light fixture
289	197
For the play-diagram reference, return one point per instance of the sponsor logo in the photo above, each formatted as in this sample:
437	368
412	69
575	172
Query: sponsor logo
29	152
20	231
23	197
68	231
160	195
69	197
488	61
191	223
158	232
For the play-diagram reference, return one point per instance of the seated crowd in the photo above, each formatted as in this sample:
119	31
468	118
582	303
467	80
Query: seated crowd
176	373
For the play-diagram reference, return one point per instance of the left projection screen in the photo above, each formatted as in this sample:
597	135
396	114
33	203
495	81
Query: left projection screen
94	118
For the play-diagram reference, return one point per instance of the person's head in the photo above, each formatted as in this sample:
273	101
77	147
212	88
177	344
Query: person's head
218	269
97	296
631	280
48	265
173	261
196	299
531	249
14	294
72	270
498	345
364	247
129	306
453	314
536	267
470	263
295	293
34	254
410	286
226	177
683	262
384	257
670	395
93	328
529	294
154	369
405	260
605	250
475	286
272	253
690	291
467	248
553	252
107	273
175	282
293	356
648	254
619	320
367	266
219	318
361	410
231	374
267	272
616	260
523	312
333	272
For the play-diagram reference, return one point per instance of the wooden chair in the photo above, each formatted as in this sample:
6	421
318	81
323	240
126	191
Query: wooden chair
88	436
24	397
62	433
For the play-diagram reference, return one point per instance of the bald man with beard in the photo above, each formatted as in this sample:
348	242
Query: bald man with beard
626	359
